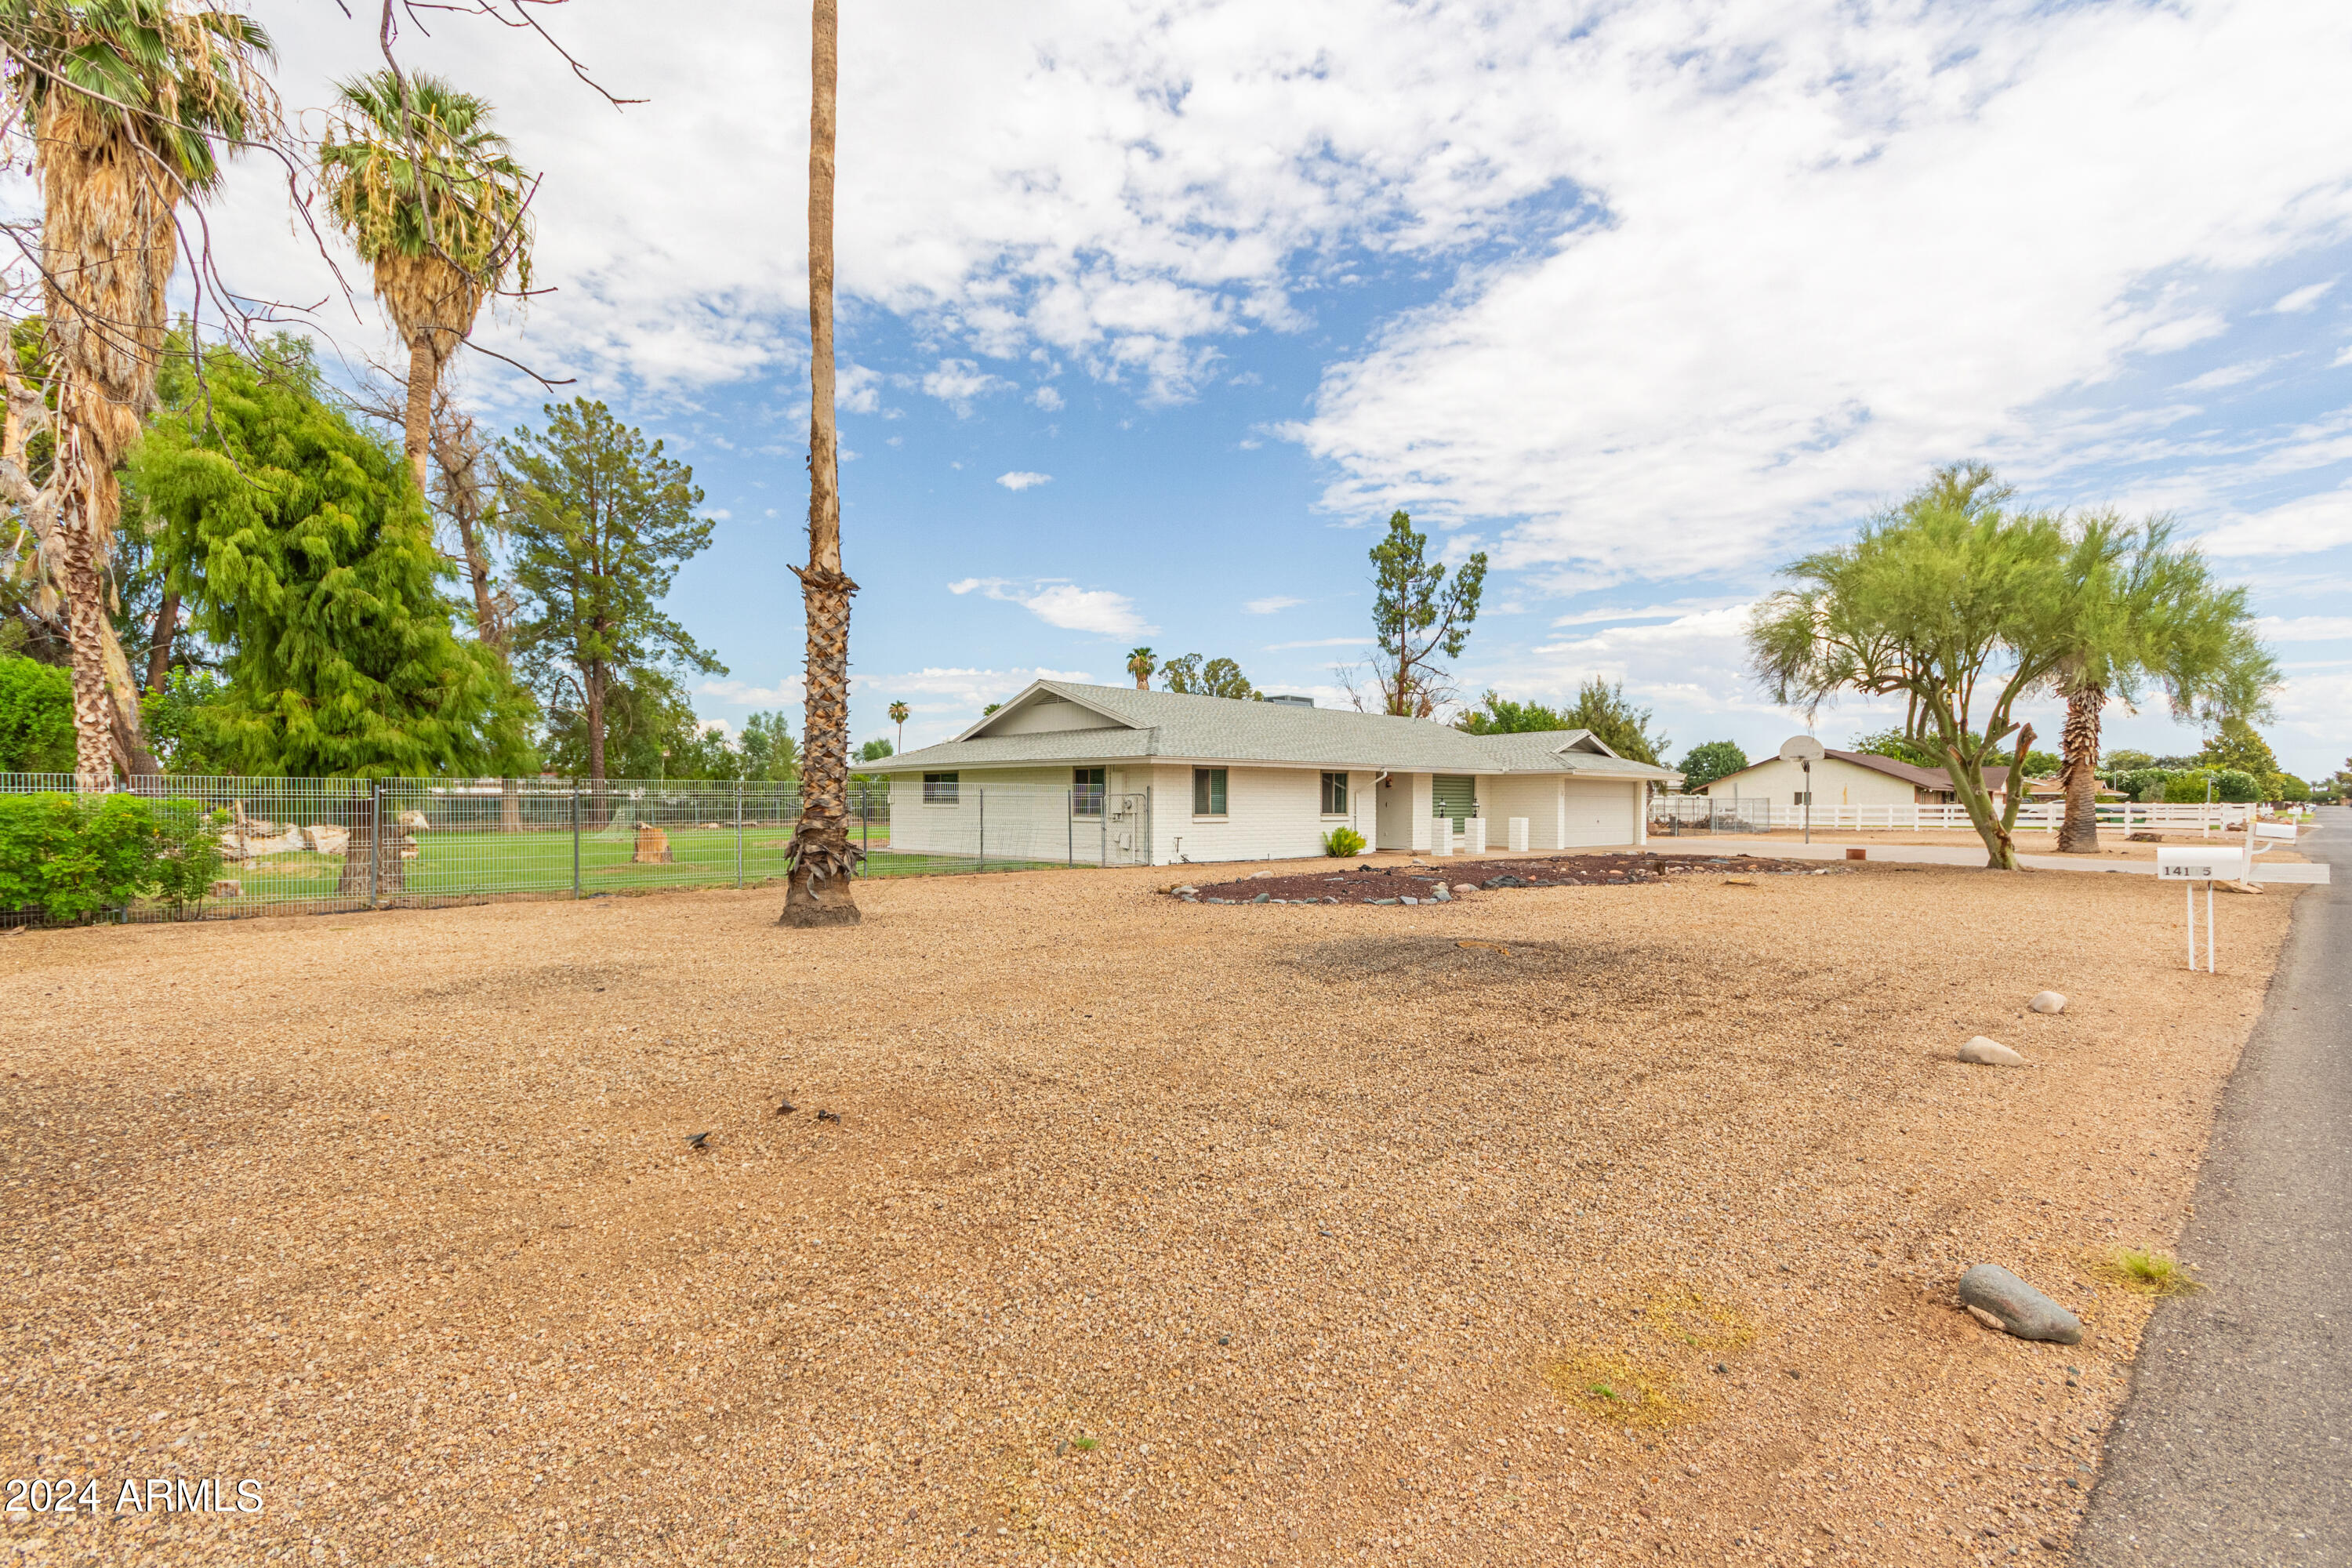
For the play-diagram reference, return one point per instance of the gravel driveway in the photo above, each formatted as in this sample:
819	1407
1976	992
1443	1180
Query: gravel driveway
1552	1223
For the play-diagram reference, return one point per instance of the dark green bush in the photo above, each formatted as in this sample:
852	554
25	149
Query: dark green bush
37	730
71	857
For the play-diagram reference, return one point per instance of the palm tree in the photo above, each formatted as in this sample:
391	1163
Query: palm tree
438	206
817	891
900	714
1141	664
2147	610
126	102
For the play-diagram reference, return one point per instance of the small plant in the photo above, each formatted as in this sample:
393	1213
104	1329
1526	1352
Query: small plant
1086	1445
1343	841
2149	1272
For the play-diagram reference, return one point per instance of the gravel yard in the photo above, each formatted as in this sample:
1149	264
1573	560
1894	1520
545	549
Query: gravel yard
1610	1224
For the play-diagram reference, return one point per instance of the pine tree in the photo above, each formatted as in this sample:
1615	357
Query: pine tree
303	548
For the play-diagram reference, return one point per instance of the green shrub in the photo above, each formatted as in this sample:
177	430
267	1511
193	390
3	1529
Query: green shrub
2236	786
1343	841
2186	788
73	857
37	728
2145	785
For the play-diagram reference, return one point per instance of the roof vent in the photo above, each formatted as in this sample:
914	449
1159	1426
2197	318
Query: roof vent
1293	701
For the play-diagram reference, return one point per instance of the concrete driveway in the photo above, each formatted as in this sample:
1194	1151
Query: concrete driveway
2236	1444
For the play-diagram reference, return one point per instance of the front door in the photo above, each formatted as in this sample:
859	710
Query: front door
1392	812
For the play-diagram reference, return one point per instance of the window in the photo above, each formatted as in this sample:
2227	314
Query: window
1086	792
1335	794
938	789
1208	792
1802	798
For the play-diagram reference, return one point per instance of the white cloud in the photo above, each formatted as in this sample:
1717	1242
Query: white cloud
1318	642
963	690
1047	398
790	693
2341	360
2226	375
1768	325
1020	479
1648	613
956	382
856	390
2306	628
1270	604
2303	299
1064	605
2299	527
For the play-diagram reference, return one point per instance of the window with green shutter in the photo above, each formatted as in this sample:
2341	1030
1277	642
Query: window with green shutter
1454	795
1208	792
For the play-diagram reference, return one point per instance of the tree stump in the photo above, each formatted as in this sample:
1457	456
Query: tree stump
652	846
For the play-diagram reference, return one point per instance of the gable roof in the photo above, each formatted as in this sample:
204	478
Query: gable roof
1909	772
1181	727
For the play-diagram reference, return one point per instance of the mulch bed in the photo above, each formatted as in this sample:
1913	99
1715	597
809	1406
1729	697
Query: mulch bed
1422	883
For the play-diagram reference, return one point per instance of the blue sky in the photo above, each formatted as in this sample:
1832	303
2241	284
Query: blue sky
1641	298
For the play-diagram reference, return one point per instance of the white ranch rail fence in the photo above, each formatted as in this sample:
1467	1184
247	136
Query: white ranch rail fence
2123	816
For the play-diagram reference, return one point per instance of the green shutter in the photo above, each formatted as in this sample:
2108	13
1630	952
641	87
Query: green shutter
1454	795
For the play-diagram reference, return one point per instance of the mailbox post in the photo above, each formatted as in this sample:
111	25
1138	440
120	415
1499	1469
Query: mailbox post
2190	867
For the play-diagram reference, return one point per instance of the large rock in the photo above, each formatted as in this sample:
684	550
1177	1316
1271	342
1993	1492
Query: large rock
1991	1053
411	819
226	888
326	838
652	846
1992	1290
2047	1002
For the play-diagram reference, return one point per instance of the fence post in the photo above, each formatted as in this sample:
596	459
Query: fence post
982	865
739	833
375	839
575	838
1070	828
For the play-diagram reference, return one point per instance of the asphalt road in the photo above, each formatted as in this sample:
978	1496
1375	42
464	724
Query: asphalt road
2236	1444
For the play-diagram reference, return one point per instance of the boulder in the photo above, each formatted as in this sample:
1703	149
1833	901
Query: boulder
226	888
326	838
653	847
2047	1002
1465	887
408	819
711	827
1991	1053
1989	1291
1444	894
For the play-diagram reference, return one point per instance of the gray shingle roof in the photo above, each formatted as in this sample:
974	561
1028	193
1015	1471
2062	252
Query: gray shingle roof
1174	726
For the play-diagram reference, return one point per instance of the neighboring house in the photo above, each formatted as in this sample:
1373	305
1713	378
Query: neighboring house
1849	778
1157	777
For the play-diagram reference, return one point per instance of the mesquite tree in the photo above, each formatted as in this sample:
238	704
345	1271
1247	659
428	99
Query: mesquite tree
1951	599
1418	616
817	892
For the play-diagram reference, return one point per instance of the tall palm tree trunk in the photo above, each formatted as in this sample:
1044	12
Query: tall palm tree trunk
82	583
817	892
2079	834
424	369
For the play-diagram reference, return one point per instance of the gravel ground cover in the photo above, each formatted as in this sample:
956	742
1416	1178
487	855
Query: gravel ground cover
1352	882
1602	1223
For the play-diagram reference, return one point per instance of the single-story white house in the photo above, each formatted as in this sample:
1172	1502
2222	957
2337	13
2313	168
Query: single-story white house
1110	774
1847	778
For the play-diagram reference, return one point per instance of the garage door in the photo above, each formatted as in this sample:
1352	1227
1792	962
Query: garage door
1598	813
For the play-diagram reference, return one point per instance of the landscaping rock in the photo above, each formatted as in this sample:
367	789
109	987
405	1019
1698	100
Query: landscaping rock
411	819
1506	880
2020	1310
1444	894
1262	898
2047	1002
226	888
1465	887
1991	1053
326	838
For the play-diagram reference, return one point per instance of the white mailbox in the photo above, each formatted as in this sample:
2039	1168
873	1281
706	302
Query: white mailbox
2201	865
2284	830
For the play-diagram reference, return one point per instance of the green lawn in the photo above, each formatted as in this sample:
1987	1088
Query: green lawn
455	864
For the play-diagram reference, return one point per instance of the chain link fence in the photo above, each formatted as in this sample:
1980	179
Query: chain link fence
316	846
